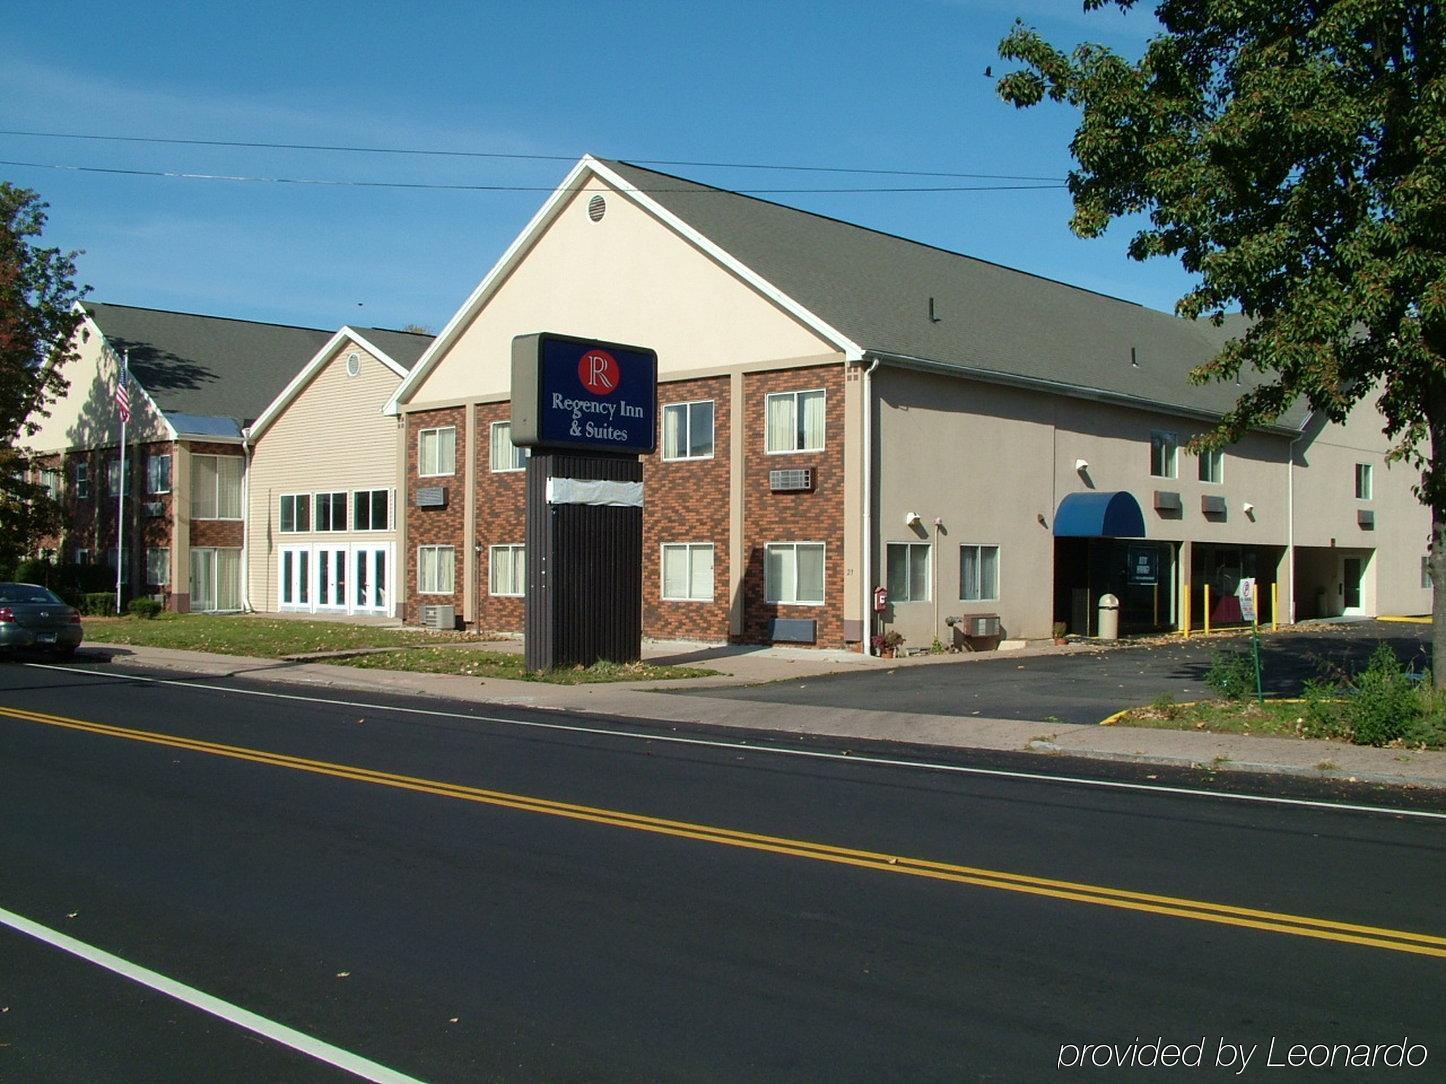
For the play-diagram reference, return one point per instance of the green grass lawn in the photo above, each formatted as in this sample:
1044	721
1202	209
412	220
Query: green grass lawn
472	662
1274	719
255	635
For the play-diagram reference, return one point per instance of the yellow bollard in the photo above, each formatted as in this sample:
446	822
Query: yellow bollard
1185	613
1275	607
1206	606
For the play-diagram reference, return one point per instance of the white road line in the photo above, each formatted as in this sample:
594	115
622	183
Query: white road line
280	1033
812	754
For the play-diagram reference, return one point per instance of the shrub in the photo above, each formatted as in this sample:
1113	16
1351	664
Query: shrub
96	603
1231	674
144	607
1385	703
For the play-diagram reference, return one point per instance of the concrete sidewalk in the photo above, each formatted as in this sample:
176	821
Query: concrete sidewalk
1222	752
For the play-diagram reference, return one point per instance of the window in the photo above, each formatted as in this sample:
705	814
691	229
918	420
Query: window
909	573
688	431
1212	467
506	455
1426	571
158	566
82	556
330	512
688	571
437	451
216	488
434	569
295	516
50	482
110	562
795	421
1163	448
1363	481
978	573
507	570
113	478
82	481
158	474
793	573
369	510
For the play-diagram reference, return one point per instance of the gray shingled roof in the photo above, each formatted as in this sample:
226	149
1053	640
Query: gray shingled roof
875	288
215	367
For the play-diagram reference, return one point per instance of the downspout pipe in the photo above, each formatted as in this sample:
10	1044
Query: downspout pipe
868	518
246	606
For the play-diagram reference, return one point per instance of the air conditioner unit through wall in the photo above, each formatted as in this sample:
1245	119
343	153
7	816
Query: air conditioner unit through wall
443	618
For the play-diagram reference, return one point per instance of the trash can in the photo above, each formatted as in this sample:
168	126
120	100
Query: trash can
1109	626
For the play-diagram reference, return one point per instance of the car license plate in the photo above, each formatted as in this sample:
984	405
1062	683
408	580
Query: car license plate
45	638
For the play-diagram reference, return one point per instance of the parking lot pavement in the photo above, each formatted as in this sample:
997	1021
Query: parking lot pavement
1086	687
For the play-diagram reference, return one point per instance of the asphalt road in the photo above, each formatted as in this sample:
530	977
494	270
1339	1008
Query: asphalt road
459	897
1088	687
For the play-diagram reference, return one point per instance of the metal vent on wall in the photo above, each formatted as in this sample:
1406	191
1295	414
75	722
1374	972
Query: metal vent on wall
596	208
791	481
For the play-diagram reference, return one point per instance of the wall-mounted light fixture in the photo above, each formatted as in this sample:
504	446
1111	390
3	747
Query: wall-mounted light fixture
911	519
1247	508
1081	464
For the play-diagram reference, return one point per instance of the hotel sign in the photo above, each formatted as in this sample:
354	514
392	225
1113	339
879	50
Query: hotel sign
584	395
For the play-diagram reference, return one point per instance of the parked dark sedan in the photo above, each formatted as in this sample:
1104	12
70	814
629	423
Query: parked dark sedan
34	617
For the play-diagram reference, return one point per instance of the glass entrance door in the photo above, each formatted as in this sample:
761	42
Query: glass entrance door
1352	572
294	578
331	577
371	589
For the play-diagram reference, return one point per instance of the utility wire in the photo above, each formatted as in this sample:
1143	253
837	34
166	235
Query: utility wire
511	187
433	152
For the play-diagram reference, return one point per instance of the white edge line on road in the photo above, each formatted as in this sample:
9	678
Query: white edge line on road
814	754
280	1033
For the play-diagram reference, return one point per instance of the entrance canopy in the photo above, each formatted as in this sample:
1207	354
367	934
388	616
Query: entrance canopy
1099	515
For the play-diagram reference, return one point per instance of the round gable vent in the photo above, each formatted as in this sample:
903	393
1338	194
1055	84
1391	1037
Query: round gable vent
353	364
596	208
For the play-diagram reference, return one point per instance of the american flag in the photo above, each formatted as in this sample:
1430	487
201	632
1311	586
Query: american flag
123	400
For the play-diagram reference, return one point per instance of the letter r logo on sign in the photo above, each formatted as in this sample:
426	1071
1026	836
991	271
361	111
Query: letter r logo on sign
598	371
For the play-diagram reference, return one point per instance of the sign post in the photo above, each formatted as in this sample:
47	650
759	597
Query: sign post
1250	610
587	410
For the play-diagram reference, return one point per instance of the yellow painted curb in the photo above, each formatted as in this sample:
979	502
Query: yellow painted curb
1408	619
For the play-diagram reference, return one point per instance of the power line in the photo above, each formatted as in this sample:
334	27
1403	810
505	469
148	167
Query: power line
244	178
435	152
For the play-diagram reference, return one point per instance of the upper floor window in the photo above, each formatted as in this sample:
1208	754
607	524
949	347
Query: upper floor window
437	451
295	513
113	478
82	481
369	510
1164	450
1212	467
50	482
158	474
216	486
688	430
506	456
795	421
330	512
1363	482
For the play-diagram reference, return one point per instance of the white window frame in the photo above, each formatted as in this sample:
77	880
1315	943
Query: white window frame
151	461
1170	443
687	430
689	549
823	578
298	500
436	554
1216	457
435	432
51	480
240	485
519	455
81	481
928	548
164	561
330	496
796	450
1365	472
370	495
513	550
82	556
998	557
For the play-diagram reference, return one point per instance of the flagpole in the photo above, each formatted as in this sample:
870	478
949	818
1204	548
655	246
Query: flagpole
123	401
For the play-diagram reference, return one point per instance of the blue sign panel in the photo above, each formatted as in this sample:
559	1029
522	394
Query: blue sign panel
593	396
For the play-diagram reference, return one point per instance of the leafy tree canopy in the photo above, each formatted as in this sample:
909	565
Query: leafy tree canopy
37	332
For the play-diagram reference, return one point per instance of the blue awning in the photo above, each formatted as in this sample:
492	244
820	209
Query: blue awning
1099	515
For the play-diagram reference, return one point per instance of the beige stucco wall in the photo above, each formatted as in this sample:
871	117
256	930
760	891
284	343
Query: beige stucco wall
86	417
332	437
627	278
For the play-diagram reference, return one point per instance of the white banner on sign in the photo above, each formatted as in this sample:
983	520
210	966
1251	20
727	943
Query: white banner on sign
1246	591
594	492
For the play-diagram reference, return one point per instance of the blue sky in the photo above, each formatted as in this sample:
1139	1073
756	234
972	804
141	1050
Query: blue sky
896	85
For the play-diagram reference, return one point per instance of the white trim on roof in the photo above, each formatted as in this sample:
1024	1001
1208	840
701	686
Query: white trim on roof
524	241
308	372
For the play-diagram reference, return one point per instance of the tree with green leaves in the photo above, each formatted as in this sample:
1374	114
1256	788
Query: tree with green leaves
1292	155
38	320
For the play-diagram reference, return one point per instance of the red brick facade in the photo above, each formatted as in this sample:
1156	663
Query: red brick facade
501	521
434	526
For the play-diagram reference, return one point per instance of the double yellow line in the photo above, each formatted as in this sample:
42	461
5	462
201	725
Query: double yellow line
1175	907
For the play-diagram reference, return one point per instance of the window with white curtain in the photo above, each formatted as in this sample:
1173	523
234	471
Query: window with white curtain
793	573
507	570
688	430
795	421
505	455
158	474
688	571
158	565
437	451
216	486
435	570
